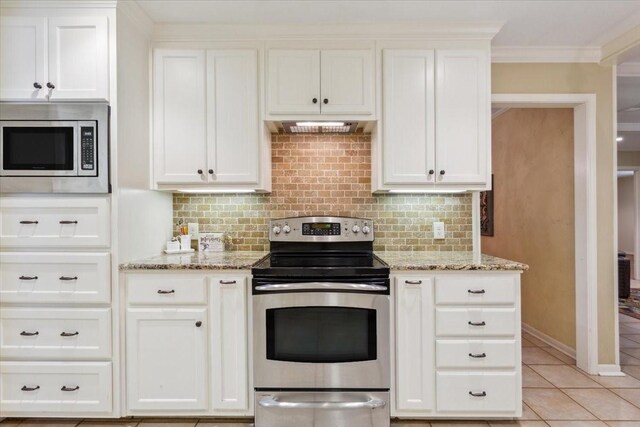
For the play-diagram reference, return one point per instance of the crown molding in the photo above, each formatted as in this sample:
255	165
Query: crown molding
628	127
628	69
516	54
132	10
614	50
53	4
435	31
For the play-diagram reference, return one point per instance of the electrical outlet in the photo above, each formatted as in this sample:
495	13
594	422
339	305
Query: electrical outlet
193	230
438	230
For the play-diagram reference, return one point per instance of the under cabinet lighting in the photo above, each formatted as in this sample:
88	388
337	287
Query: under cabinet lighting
410	191
213	191
319	124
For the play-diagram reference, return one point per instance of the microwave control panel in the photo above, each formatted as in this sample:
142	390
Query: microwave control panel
87	155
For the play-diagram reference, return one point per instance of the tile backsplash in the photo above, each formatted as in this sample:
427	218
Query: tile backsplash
329	175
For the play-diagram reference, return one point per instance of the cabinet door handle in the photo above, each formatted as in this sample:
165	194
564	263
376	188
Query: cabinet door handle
29	334
37	85
28	277
227	282
477	323
65	388
481	394
25	388
326	101
442	172
315	100
28	222
51	85
68	278
431	171
198	324
199	171
64	222
172	291
476	292
69	334
478	355
210	171
413	282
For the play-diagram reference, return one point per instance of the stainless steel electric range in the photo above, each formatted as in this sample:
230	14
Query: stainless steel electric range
321	326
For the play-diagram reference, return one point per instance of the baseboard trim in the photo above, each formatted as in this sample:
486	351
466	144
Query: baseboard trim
611	370
571	352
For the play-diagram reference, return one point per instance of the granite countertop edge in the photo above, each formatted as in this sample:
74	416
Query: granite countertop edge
197	261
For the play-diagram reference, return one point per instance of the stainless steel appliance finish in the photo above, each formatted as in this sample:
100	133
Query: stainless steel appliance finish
337	229
28	164
322	409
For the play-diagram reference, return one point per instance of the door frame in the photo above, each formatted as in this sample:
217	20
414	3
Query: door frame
636	238
586	225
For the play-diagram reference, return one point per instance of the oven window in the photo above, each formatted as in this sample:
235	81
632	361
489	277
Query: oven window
37	148
321	334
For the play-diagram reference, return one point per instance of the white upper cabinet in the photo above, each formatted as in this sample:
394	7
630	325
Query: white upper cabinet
179	116
408	116
294	82
463	114
23	58
78	58
56	58
232	116
314	81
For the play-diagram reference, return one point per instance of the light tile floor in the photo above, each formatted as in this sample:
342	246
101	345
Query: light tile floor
555	394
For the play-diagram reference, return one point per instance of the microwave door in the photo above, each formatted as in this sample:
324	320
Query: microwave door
39	148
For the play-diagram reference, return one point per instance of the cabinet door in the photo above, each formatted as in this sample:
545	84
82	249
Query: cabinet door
22	58
414	344
346	82
294	81
408	117
233	135
229	347
167	359
463	114
79	58
179	116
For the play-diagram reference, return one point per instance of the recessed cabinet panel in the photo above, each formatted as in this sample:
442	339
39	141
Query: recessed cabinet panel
462	116
232	116
179	99
294	81
408	117
23	58
346	82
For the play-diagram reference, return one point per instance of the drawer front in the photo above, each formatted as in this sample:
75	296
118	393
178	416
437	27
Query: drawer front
476	289
166	289
46	222
477	392
55	277
473	322
476	354
55	333
55	387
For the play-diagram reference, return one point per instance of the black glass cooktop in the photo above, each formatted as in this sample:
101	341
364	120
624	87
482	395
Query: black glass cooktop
320	264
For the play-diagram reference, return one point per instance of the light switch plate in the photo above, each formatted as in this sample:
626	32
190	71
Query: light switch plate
438	230
193	230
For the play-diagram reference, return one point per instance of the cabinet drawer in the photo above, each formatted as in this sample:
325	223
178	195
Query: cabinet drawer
476	289
55	277
47	222
55	333
475	354
475	322
495	392
58	387
166	289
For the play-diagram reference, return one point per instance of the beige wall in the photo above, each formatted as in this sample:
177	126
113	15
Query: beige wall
626	214
532	158
582	78
628	158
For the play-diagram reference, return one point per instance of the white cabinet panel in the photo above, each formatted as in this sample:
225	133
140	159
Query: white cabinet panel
476	289
408	117
475	322
167	359
22	58
58	387
55	333
462	115
229	346
79	57
478	392
166	289
476	354
346	81
414	343
293	81
179	116
38	277
233	125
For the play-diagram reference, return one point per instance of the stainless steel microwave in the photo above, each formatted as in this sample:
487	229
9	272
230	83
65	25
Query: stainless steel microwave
54	148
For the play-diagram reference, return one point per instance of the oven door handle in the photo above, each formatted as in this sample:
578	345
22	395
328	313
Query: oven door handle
324	286
271	402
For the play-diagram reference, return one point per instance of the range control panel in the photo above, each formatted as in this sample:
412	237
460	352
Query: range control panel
87	156
321	229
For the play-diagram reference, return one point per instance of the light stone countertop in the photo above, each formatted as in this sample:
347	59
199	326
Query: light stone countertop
447	261
197	261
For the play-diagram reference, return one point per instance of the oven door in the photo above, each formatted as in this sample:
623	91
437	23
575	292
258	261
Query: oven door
39	148
321	335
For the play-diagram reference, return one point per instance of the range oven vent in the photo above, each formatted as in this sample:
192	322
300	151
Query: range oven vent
319	127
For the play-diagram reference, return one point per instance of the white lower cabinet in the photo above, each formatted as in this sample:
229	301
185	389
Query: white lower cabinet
477	392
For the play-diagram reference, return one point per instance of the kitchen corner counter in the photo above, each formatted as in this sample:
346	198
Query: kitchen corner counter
457	261
197	261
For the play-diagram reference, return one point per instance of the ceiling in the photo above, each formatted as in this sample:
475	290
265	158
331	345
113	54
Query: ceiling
527	23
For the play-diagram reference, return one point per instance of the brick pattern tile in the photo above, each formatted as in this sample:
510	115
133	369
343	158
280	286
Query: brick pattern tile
329	174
